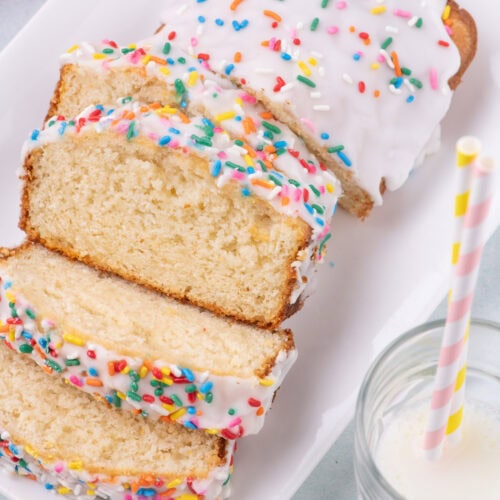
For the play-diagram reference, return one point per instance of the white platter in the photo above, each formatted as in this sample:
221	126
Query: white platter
390	272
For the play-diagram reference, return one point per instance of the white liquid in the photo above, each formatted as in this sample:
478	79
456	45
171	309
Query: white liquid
468	471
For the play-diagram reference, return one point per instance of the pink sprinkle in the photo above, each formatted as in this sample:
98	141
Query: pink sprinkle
434	79
332	30
236	421
194	41
238	175
322	189
58	467
222	155
218	130
76	381
341	5
248	98
312	169
174	143
284	190
128	496
448	29
308	123
381	58
135	56
205	65
402	13
153	136
272	43
297	195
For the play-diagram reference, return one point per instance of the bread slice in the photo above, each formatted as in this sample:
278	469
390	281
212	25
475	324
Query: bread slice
182	205
364	86
52	433
138	350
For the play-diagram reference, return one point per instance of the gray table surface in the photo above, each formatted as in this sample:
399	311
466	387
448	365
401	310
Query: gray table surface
333	478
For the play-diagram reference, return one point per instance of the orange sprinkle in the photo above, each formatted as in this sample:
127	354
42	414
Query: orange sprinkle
262	183
269	148
93	382
376	93
237	57
367	41
134	487
260	411
47	369
111	368
158	60
136	411
265	43
4	328
266	115
248	125
144	109
352	29
184	118
267	164
146	480
148	364
235	4
39	351
273	15
397	67
155	105
284	202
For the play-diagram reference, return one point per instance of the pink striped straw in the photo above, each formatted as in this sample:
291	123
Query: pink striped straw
457	320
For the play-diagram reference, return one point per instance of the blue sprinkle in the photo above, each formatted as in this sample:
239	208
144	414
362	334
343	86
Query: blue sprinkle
207	122
239	26
109	399
93	372
7	285
410	98
245	192
99	107
344	158
200	1
244	24
42	342
285	56
184	102
190	425
219	22
320	221
164	140
251	170
236	25
356	56
171	61
325	136
48	486
229	68
62	128
151	492
216	166
268	134
27	335
206	387
110	112
309	208
174	130
191	410
35	134
398	82
13	449
201	19
278	174
188	374
237	118
280	144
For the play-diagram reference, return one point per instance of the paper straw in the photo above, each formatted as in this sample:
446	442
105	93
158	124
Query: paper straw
457	320
467	150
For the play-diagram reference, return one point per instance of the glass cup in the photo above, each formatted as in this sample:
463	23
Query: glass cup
402	378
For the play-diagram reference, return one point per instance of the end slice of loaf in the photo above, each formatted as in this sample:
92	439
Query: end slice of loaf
182	206
138	350
52	433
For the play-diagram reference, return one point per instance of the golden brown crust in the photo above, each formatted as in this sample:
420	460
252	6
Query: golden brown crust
56	97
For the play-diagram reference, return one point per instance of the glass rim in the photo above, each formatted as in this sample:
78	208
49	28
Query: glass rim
360	435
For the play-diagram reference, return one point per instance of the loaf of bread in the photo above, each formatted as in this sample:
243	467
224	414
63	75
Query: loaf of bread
231	219
136	349
365	85
52	433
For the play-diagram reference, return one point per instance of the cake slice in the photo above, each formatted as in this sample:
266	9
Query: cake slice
365	84
52	433
138	350
232	219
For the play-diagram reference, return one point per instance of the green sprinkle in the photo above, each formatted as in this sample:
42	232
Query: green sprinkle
386	42
262	166
315	190
233	165
181	60
23	463
179	86
239	142
294	182
324	4
134	375
107	51
335	149
305	80
204	141
26	348
314	23
116	400
134	386
406	71
166	48
131	131
322	244
318	209
209	397
416	82
190	388
30	314
280	151
127	99
55	366
177	401
72	362
231	411
242	169
419	22
155	383
271	127
134	396
275	180
126	50
393	81
159	391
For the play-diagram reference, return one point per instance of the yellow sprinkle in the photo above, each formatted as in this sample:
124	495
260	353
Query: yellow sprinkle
169	408
174	483
165	370
75	465
58	345
167	380
380	9
200	396
121	395
330	188
187	496
454	421
73	339
212	431
72	49
225	116
146	59
30	451
305	68
165	70
143	371
99	56
64	491
312	61
192	78
446	12
375	66
132	46
166	110
12	334
178	414
266	382
248	160
90	493
239	101
455	252
459	382
126	370
10	296
461	202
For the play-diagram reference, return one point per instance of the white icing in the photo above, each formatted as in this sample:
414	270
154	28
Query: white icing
382	137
